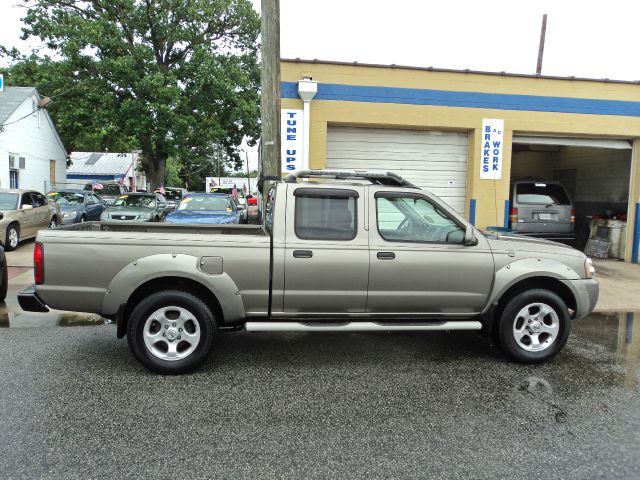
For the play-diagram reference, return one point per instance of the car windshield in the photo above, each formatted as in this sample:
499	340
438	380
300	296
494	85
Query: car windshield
66	198
147	201
172	194
8	201
206	203
541	193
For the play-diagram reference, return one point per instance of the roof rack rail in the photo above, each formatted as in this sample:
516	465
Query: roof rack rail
378	178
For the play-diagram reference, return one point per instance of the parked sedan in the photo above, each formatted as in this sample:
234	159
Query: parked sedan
22	214
137	207
77	206
211	208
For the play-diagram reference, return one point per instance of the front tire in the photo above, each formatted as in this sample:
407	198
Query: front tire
13	238
53	223
171	332
534	326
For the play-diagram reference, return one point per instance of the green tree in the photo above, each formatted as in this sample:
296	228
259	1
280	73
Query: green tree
172	173
171	77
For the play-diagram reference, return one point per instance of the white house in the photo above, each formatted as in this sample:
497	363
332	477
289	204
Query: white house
87	167
32	155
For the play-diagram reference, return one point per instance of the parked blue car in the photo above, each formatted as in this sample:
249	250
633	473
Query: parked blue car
209	208
77	206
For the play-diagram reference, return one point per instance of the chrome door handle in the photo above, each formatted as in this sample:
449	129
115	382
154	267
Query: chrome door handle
386	255
302	254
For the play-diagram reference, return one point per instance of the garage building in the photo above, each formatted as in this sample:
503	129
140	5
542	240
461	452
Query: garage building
428	125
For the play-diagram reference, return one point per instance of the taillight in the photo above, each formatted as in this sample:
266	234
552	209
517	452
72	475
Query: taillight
38	263
513	216
573	216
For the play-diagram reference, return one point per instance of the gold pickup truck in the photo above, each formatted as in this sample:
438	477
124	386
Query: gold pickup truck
339	252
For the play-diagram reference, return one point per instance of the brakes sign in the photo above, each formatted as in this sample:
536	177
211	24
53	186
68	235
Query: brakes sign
491	149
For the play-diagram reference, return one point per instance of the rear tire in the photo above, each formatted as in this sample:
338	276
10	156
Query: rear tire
534	326
171	332
13	238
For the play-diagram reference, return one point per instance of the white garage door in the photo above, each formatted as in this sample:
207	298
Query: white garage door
434	161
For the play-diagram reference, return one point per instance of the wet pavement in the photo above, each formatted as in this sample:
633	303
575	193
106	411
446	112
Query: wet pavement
75	404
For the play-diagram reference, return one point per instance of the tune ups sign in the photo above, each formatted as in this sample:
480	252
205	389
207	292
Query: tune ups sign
491	149
291	127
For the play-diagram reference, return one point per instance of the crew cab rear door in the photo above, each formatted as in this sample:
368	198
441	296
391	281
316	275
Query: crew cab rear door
419	261
326	250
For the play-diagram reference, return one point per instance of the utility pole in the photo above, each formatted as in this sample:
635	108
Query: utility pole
246	156
270	83
543	32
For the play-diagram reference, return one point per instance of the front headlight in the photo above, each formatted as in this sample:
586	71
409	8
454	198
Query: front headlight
145	216
69	214
589	269
104	216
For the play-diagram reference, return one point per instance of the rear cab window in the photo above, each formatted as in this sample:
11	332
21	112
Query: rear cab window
541	193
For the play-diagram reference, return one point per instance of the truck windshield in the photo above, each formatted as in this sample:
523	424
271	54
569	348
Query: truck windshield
135	201
111	190
172	194
8	201
206	203
541	193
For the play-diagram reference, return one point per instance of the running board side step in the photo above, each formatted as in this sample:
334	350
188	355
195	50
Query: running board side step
358	326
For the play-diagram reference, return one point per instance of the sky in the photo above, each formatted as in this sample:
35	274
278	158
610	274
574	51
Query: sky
584	38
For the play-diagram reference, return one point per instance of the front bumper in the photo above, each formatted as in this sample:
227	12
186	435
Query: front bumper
29	300
586	292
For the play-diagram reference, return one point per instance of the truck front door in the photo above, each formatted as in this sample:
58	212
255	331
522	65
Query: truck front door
419	261
326	255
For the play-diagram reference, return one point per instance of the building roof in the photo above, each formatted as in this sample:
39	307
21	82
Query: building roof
450	70
99	163
11	99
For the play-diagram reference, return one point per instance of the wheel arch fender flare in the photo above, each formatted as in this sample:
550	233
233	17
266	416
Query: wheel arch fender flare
155	267
528	269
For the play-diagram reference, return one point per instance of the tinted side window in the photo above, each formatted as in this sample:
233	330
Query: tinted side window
325	217
412	219
26	199
38	199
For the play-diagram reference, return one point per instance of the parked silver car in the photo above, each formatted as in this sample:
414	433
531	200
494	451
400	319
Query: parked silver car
137	207
22	214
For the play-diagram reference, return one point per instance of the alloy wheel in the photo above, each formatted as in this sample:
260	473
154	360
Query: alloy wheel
536	327
171	333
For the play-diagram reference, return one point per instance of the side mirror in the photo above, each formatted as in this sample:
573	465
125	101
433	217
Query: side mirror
469	237
26	207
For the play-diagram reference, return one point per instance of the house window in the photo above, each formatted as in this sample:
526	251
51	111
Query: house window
13	178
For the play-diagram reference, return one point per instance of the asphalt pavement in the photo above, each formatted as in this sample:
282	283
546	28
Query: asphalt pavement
75	404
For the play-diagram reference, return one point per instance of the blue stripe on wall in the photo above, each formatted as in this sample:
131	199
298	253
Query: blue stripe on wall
636	235
507	207
93	177
499	101
472	211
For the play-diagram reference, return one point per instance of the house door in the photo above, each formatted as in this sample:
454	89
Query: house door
52	172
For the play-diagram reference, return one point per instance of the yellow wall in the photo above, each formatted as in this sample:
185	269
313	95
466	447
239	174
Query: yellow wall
490	195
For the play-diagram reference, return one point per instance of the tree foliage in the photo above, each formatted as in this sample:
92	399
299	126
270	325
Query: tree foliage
175	78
